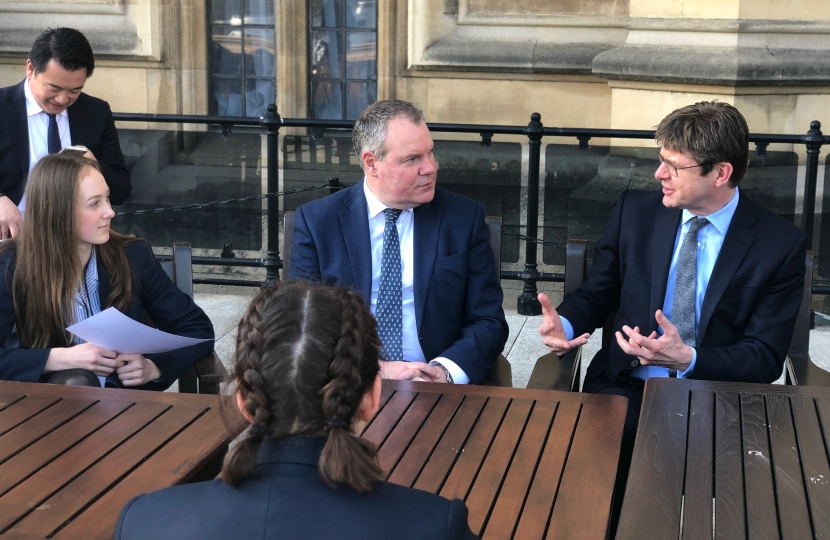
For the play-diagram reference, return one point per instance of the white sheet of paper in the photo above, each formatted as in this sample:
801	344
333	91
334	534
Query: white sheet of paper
115	331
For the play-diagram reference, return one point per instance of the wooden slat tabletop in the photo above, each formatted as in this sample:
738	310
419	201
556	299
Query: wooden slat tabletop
71	457
729	461
530	464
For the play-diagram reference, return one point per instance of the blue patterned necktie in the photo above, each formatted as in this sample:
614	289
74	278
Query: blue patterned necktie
389	310
685	287
53	136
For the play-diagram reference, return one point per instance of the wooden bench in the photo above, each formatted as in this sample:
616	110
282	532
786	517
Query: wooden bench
799	368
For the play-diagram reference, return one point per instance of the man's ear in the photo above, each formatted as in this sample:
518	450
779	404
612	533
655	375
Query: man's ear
724	170
370	163
30	69
370	402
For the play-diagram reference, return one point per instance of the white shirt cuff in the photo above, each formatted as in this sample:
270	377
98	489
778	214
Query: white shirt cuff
458	375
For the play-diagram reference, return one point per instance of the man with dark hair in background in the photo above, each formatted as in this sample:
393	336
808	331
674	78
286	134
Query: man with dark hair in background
46	112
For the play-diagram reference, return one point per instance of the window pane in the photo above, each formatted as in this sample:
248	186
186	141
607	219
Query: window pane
259	53
327	13
361	13
259	11
361	52
358	97
325	54
226	11
227	97
327	100
226	51
258	95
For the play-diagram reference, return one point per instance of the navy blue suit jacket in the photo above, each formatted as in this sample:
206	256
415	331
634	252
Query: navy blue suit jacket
751	302
458	296
286	498
152	290
90	125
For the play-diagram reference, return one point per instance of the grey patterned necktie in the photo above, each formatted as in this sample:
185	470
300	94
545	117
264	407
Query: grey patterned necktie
685	287
389	310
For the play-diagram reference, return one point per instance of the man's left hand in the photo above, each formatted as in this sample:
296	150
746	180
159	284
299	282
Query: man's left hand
90	155
667	351
136	370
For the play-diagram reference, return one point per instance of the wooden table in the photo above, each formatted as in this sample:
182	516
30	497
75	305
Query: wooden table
728	460
529	463
71	457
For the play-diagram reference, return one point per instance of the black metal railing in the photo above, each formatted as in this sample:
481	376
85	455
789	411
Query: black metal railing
535	132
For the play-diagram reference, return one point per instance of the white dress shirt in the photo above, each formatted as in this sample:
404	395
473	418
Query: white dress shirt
38	132
412	351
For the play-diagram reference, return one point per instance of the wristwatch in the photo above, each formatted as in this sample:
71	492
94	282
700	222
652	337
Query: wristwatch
449	377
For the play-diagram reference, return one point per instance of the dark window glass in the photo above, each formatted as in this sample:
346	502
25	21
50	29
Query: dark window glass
242	57
342	58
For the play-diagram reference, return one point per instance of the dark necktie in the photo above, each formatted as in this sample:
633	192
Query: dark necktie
389	310
53	136
685	287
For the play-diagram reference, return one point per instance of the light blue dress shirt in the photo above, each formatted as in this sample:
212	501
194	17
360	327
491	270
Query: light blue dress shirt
710	239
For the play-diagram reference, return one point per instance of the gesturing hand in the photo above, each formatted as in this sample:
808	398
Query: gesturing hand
9	218
553	334
136	370
666	351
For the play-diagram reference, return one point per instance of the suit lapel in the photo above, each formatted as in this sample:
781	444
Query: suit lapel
665	234
103	283
20	123
76	128
427	226
354	224
732	252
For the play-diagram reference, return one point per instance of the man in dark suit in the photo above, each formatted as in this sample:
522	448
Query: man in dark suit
46	112
419	255
705	283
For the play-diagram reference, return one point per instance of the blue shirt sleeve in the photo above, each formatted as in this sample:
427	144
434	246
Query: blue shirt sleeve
691	368
568	328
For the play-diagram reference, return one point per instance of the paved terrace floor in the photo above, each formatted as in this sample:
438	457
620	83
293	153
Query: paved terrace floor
523	348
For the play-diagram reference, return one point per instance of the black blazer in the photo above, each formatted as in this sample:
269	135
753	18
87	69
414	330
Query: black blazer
458	297
286	498
90	124
751	302
171	309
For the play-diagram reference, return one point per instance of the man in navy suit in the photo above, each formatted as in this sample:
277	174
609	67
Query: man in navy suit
48	111
445	323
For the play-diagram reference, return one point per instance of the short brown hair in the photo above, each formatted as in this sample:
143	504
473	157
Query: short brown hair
369	131
709	132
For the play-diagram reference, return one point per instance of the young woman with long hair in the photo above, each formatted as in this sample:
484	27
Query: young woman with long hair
66	265
306	372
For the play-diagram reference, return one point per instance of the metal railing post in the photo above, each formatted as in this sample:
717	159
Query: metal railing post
527	303
813	140
272	263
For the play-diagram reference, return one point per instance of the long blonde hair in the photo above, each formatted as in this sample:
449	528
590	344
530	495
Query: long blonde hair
48	267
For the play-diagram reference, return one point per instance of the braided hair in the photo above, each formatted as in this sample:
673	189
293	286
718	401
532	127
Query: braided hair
305	357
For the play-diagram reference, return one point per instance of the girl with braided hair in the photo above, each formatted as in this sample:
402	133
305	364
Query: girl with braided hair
306	372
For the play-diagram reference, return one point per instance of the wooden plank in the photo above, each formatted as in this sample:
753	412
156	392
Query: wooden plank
23	435
583	503
494	468
448	450
58	441
38	487
651	507
812	418
173	464
422	446
22	410
7	398
789	484
533	523
385	421
761	515
405	431
474	450
65	504
700	467
730	519
519	476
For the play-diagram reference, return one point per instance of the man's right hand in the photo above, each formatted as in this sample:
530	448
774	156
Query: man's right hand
404	371
87	356
9	218
552	331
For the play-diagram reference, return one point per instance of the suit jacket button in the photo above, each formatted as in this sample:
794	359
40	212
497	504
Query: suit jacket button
634	363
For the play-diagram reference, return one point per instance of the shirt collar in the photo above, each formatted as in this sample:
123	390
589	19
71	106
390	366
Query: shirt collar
720	219
32	108
373	204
